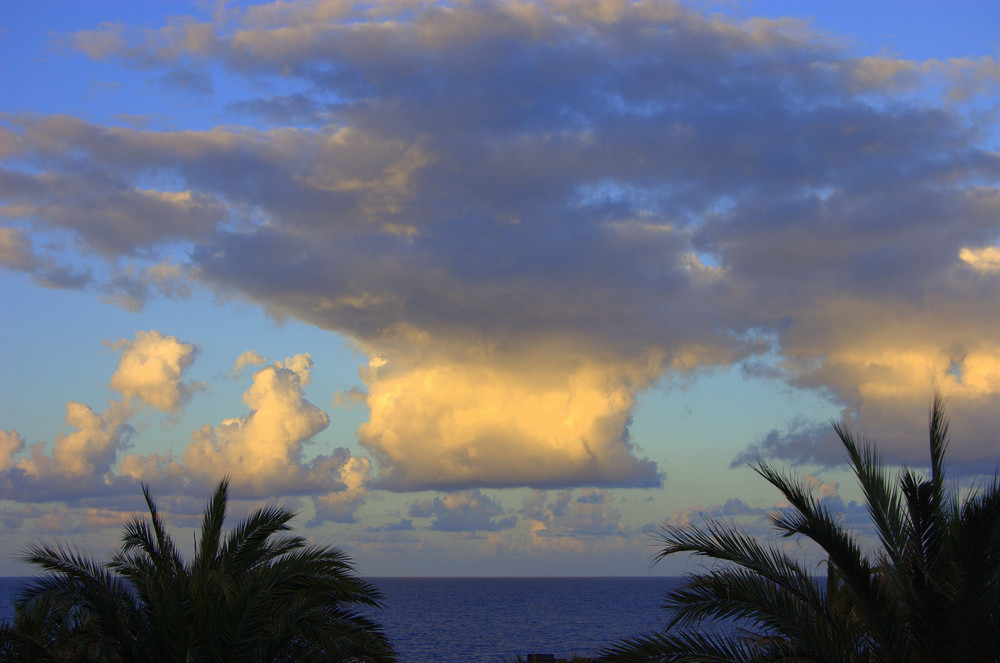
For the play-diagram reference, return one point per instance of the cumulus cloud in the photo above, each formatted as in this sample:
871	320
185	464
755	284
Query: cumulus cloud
84	461
80	462
262	452
10	444
536	426
527	213
151	368
340	505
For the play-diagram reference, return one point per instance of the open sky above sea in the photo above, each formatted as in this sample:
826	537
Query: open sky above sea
487	288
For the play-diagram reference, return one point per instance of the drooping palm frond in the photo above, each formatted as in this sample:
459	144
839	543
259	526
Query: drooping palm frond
930	593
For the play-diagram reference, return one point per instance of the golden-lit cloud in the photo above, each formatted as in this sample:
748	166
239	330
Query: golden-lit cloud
984	259
261	452
560	420
261	447
80	459
151	368
10	444
248	358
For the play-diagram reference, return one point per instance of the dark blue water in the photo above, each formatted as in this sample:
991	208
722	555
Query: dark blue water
488	620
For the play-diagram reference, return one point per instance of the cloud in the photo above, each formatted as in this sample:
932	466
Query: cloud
151	368
17	254
80	463
193	81
262	452
590	514
15	250
404	525
732	509
463	511
10	444
802	442
113	220
340	505
537	426
348	398
84	462
984	259
543	209
133	287
248	358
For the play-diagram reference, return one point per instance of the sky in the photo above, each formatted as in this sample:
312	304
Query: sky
488	288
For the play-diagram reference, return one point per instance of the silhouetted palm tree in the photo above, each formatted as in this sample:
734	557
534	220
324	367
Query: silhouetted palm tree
929	593
256	595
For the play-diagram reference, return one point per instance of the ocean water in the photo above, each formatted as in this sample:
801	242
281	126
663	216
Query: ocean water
489	620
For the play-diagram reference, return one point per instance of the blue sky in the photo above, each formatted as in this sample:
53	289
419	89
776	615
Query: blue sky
487	289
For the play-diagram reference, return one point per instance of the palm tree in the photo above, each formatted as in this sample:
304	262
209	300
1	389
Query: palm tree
256	595
929	592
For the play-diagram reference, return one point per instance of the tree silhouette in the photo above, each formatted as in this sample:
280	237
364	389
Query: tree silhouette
930	592
254	595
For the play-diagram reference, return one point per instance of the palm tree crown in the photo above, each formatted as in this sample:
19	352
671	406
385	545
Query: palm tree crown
254	595
929	593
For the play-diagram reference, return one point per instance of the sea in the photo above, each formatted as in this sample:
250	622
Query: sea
497	620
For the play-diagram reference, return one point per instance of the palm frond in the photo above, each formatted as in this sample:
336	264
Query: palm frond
883	502
931	594
261	597
211	527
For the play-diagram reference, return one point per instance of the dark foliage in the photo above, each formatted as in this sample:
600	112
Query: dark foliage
255	595
929	593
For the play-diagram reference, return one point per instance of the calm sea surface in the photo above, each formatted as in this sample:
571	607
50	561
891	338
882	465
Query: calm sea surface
488	620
